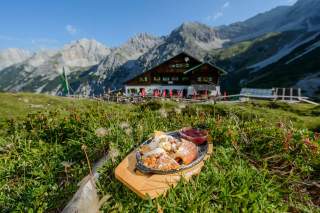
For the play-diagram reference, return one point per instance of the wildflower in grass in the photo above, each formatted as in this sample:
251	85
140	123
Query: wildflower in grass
280	125
316	136
101	132
124	125
113	153
84	147
9	146
6	148
77	117
181	106
177	110
163	112
202	116
287	140
218	120
67	165
128	131
313	146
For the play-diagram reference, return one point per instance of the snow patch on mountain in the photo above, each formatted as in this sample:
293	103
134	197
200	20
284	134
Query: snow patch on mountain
39	89
281	53
309	49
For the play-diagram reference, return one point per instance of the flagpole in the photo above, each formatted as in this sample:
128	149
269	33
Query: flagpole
66	83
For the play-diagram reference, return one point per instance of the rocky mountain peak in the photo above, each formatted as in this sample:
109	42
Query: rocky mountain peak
12	56
192	25
140	43
197	30
83	53
129	51
190	33
85	43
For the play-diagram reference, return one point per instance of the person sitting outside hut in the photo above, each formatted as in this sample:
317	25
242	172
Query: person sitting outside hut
164	93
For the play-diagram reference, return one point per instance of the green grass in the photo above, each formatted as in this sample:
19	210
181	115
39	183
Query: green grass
300	115
19	105
261	161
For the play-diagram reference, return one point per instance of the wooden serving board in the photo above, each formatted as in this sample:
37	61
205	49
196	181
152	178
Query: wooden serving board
152	185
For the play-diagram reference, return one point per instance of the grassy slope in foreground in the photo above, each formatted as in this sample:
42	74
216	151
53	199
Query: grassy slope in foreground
259	164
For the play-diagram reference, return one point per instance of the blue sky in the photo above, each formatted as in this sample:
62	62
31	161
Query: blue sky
36	24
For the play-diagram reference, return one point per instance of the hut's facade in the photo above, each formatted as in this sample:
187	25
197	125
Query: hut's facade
181	75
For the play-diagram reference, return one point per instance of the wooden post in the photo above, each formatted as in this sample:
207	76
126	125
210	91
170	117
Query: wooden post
276	94
283	93
299	93
291	93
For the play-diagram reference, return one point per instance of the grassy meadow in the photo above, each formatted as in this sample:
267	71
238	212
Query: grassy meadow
266	154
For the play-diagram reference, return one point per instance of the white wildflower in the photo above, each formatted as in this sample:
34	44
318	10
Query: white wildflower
124	125
177	110
181	106
101	132
67	164
163	112
9	146
128	131
113	153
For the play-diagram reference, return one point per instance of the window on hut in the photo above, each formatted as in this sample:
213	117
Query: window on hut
205	79
143	79
175	78
180	65
157	78
165	78
185	78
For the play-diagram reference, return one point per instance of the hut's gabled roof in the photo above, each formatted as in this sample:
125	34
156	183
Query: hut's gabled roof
221	71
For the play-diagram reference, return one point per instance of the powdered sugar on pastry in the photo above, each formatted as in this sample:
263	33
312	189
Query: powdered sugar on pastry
187	152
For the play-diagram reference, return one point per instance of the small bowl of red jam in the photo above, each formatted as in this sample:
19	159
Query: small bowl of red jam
197	136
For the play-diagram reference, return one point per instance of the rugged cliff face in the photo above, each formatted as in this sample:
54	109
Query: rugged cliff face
276	48
12	56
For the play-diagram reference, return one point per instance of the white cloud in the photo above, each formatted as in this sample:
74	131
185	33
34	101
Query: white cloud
215	16
218	14
72	30
225	5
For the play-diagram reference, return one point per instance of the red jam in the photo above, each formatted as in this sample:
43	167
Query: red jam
196	136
